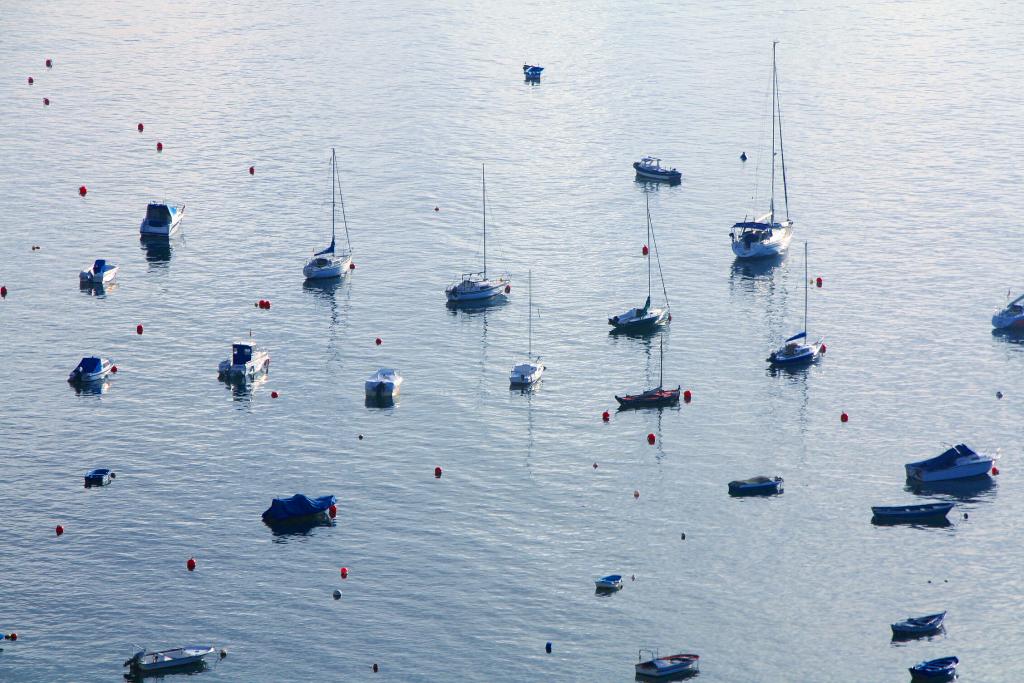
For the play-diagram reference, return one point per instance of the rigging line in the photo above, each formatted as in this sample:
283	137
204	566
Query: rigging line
341	197
782	153
657	257
761	137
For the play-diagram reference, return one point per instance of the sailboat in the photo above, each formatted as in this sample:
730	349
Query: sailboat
768	235
652	398
796	350
645	319
477	287
329	263
529	373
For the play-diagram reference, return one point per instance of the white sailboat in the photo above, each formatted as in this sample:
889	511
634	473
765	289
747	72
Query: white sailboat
646	319
796	350
529	373
330	263
769	235
475	288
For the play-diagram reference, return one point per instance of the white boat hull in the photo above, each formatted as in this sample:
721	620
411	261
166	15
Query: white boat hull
147	228
974	469
259	365
773	246
489	289
170	659
525	378
339	267
90	277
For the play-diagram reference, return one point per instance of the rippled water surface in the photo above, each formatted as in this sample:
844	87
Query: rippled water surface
902	124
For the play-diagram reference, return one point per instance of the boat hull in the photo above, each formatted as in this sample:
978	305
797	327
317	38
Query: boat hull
768	488
1008	321
89	277
158	230
170	659
756	249
809	354
670	177
647	323
663	667
339	268
912	513
458	294
978	469
254	368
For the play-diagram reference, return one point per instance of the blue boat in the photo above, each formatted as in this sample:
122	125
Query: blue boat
756	486
298	509
959	462
943	669
100	273
532	72
98	477
915	627
650	168
612	582
930	512
90	369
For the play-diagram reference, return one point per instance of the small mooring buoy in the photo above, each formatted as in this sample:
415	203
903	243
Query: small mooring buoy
337	594
743	156
547	647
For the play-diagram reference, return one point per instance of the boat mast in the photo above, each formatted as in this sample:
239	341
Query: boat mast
778	110
483	178
334	175
529	352
806	337
649	245
771	220
341	197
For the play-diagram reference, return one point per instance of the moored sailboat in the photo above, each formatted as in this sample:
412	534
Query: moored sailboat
528	373
796	350
330	263
476	288
645	319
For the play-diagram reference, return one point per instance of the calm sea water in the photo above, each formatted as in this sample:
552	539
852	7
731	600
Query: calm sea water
903	156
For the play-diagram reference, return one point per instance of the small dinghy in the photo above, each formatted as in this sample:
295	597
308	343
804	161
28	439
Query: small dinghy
930	512
650	168
384	384
101	272
756	486
915	627
646	319
298	509
98	477
612	582
943	669
247	362
161	219
532	72
959	462
672	665
1011	317
90	369
190	655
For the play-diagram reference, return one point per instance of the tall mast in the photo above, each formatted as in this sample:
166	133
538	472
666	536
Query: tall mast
778	110
649	246
483	178
333	176
806	337
529	352
771	220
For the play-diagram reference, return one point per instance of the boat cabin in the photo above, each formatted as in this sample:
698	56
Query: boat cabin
158	215
241	353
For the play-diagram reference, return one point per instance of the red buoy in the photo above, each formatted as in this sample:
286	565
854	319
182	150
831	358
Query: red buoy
344	572
351	266
138	329
3	291
437	472
645	250
252	170
82	191
46	101
49	63
378	341
375	667
59	530
605	416
508	288
687	396
159	146
636	493
818	281
844	417
651	439
824	348
14	636
995	470
141	127
333	511
273	394
191	564
113	368
31	80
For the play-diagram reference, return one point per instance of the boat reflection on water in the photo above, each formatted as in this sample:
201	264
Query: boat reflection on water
963	490
477	307
382	402
283	531
183	670
1010	336
323	289
96	289
94	388
753	269
924	523
158	249
243	390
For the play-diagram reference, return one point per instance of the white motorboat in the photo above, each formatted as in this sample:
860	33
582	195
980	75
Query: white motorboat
477	287
247	362
1011	317
769	235
91	369
958	462
646	319
528	373
796	350
384	384
190	655
650	169
671	665
162	219
101	272
329	263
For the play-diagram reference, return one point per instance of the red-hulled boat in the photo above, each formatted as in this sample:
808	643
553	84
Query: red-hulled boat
650	398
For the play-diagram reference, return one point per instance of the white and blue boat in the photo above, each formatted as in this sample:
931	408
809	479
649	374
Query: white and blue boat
162	219
330	263
612	582
247	362
532	72
756	486
650	168
664	667
99	273
1011	316
943	669
91	369
768	235
384	385
917	627
98	477
529	372
796	350
959	462
645	319
929	512
189	656
477	288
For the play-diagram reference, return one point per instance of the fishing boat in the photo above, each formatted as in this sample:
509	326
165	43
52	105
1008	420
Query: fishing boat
943	669
91	369
162	219
98	477
756	486
476	288
247	362
912	513
99	273
328	263
650	169
532	72
652	398
660	667
612	582
645	319
298	508
959	462
1011	316
528	373
796	350
768	235
190	655
916	627
384	384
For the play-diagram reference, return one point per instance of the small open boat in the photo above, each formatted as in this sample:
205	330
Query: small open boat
189	655
915	627
532	72
672	665
612	582
161	219
384	384
959	462
298	508
650	169
90	369
943	669
756	486
912	513
101	272
98	477
1011	317
246	363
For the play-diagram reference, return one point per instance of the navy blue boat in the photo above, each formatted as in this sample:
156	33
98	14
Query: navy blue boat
650	168
298	508
943	669
98	477
532	72
915	627
930	512
756	486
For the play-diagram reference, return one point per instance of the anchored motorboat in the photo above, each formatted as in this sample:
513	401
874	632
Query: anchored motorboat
650	169
1011	316
91	369
384	384
162	219
671	665
247	362
532	72
99	273
958	462
189	655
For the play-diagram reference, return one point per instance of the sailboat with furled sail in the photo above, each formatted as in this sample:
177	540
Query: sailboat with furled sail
524	375
331	263
652	398
477	288
645	319
796	350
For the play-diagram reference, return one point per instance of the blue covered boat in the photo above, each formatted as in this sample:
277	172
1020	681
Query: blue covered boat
915	627
612	582
959	462
943	669
532	72
98	477
930	512
90	369
756	486
298	508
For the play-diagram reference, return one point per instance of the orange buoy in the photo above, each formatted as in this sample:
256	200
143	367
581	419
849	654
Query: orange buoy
138	329
333	511
844	417
344	572
31	80
252	170
437	472
636	493
645	250
113	368
273	394
49	63
687	396
818	281
59	529
995	470
651	439
605	416
191	564
378	341
82	190
14	636
508	288
141	127
46	101
159	146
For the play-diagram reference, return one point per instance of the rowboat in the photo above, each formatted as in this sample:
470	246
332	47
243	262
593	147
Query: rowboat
661	667
943	669
912	513
756	486
915	627
612	582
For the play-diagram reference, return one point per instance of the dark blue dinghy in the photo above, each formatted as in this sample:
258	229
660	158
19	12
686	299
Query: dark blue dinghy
298	509
98	477
756	486
532	72
916	627
943	669
930	512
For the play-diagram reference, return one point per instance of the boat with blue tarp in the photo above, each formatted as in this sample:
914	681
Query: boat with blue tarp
942	669
612	582
91	369
532	72
958	462
162	219
756	486
98	477
246	363
916	627
297	509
